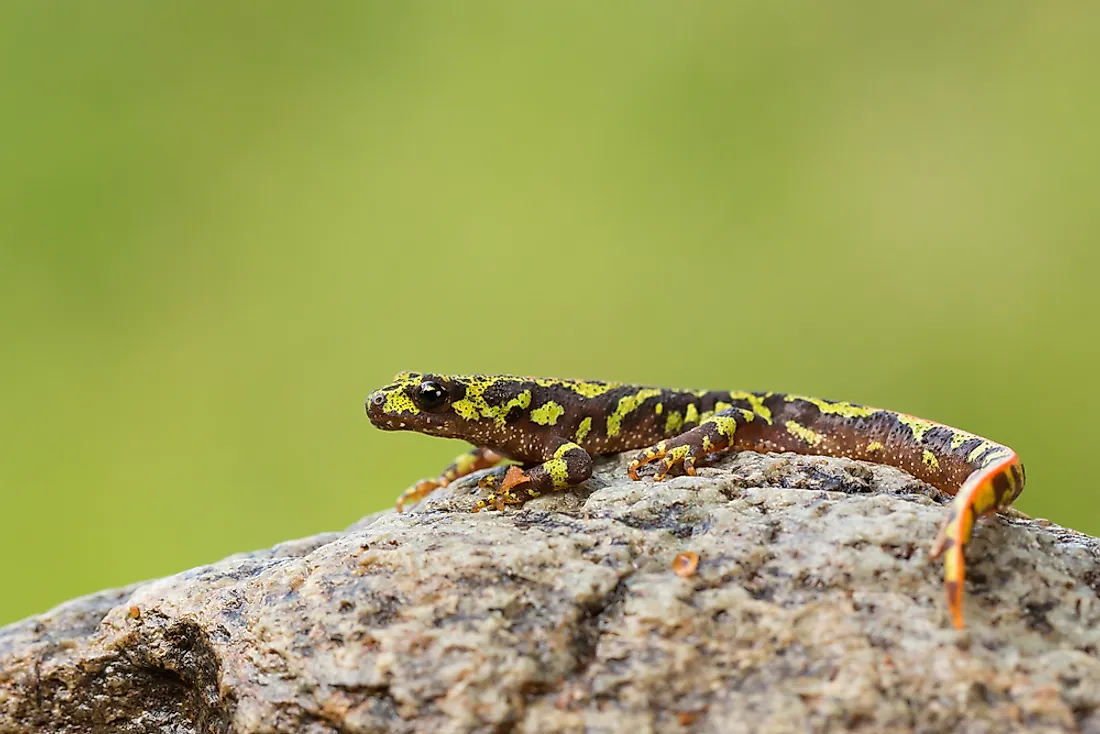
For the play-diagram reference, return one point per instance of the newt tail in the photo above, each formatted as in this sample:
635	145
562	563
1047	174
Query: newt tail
553	428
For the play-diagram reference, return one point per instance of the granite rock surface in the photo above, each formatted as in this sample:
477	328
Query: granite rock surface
814	607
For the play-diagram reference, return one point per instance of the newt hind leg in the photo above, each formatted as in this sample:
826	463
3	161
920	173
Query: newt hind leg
471	461
688	448
987	490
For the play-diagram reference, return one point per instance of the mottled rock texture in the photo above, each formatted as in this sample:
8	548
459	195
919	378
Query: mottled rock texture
814	608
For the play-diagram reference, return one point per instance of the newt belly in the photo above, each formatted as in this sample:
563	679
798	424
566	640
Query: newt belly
554	427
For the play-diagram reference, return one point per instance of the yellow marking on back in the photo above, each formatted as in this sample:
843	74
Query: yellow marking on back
627	405
828	407
930	459
874	446
979	450
659	408
591	389
958	438
691	414
994	452
584	428
474	406
719	407
808	435
919	426
994	456
584	388
523	400
725	425
755	401
548	413
674	422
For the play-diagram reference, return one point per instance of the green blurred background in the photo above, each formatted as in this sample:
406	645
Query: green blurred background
222	225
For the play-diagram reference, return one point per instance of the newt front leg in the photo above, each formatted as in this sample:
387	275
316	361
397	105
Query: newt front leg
473	460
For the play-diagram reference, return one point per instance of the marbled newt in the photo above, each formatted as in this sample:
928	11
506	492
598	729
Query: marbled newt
554	427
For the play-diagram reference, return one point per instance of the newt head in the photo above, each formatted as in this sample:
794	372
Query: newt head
416	402
481	409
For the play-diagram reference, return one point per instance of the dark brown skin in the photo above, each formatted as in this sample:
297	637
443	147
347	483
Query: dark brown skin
554	427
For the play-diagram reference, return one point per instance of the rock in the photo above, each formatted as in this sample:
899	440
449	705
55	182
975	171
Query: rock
814	608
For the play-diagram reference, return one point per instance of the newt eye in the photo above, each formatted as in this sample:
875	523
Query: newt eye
430	396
